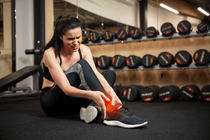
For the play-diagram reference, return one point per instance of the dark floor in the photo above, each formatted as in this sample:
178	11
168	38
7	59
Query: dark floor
23	119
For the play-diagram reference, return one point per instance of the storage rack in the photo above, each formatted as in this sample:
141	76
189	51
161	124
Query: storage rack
144	38
159	37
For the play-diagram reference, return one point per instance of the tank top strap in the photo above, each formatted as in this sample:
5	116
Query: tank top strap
80	54
60	59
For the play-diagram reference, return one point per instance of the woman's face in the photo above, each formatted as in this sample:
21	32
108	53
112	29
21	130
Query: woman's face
72	39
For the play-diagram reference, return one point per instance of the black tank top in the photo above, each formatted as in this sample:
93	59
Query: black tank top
46	72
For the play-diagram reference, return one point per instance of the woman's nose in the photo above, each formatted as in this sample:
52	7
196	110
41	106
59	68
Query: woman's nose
75	41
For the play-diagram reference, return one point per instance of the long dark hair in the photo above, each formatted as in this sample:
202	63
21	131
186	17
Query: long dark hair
62	25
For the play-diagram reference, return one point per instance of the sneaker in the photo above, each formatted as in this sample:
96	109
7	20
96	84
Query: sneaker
124	118
88	114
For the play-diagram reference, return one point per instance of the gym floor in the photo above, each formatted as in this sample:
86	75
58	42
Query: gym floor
22	119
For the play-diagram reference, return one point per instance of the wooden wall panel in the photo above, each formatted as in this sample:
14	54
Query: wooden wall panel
49	20
7	25
6	41
161	77
5	63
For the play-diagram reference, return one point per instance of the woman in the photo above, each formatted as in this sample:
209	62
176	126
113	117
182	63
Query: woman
68	65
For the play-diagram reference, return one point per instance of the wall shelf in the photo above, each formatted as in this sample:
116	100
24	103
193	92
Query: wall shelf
156	67
144	38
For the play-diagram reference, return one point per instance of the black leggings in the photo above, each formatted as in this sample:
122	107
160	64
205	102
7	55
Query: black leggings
55	102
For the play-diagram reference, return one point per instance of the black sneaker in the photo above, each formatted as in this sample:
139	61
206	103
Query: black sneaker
124	118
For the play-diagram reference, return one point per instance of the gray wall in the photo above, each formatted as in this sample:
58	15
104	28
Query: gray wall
24	37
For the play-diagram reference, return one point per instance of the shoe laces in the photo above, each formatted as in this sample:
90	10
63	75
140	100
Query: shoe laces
125	109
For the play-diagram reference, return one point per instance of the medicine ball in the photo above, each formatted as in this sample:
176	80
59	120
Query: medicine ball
136	33
202	27
104	62
169	93
117	89
95	37
133	61
183	58
108	35
118	61
166	59
184	27
151	32
201	57
167	29
95	59
149	93
129	93
190	92
205	93
122	34
149	61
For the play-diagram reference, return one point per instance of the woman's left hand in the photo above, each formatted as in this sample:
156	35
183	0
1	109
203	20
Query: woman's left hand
114	98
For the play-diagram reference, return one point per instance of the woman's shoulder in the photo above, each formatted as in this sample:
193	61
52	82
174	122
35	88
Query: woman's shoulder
49	51
84	48
49	54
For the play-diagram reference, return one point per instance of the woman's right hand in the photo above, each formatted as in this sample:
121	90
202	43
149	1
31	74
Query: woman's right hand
98	97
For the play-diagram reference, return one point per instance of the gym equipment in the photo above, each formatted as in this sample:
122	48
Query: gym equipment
166	59
151	32
184	27
136	33
169	93
183	58
202	28
201	57
133	61
149	93
84	38
7	83
190	92
118	61
205	93
130	93
149	61
122	34
167	29
104	62
108	35
95	59
10	80
95	37
117	89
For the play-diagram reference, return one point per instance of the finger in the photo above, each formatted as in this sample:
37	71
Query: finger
113	101
105	97
119	101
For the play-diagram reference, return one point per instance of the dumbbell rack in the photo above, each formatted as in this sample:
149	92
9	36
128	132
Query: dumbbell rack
144	38
156	67
159	37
